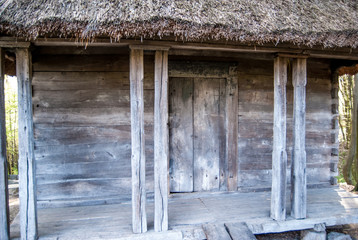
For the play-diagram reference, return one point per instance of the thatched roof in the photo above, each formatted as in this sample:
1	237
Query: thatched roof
331	23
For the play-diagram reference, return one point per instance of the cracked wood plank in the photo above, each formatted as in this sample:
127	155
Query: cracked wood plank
139	219
279	155
298	168
161	142
27	167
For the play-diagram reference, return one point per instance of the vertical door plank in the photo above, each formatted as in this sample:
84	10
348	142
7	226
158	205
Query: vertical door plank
231	126
161	141
27	174
223	164
298	170
279	155
139	219
4	194
206	134
181	135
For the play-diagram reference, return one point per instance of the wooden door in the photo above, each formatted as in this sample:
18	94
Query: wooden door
208	127
181	133
199	128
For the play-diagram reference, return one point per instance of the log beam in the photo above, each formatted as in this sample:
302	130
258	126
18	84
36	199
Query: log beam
298	166
279	155
27	168
4	195
161	141
139	219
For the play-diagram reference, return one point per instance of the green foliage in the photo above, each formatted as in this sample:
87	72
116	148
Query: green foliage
11	112
345	106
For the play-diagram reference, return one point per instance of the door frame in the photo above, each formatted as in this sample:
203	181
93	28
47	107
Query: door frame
228	71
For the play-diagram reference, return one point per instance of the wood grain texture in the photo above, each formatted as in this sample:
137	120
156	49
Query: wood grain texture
279	155
181	135
198	69
298	166
4	196
161	142
206	134
216	232
211	110
27	164
332	206
239	231
231	126
139	219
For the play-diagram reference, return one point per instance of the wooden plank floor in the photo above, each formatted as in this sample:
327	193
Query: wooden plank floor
187	213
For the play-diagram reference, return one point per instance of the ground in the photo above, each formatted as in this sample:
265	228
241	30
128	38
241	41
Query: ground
14	206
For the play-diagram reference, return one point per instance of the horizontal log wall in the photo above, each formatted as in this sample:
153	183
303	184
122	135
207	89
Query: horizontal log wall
82	124
256	123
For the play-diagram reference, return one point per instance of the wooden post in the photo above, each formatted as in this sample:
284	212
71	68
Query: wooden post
298	170
27	168
4	194
161	141
136	72
279	155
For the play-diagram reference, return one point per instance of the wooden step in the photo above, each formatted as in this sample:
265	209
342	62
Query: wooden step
216	232
228	231
239	231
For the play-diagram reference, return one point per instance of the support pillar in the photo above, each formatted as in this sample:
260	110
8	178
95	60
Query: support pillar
27	168
4	194
298	168
279	155
136	73
161	141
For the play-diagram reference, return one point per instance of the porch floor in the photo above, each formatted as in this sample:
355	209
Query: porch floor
187	212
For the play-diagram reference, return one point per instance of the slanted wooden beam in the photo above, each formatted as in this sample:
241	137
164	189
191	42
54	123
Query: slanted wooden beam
279	155
161	141
4	193
298	168
136	73
27	168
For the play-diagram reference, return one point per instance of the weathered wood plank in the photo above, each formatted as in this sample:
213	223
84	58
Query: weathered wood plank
139	219
4	196
223	164
216	232
95	98
79	63
298	166
198	69
87	116
161	142
87	188
66	80
231	126
279	155
206	134
181	135
27	167
240	231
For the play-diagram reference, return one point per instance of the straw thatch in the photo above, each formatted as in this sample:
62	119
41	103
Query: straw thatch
331	23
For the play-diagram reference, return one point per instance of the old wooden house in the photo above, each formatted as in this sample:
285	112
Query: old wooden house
183	118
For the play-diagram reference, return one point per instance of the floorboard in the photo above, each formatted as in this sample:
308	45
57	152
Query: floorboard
188	212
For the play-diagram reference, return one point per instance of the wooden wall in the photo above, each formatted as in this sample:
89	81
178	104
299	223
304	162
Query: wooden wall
82	123
256	123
